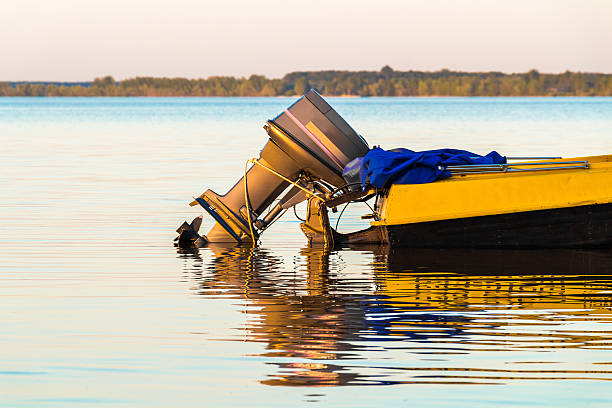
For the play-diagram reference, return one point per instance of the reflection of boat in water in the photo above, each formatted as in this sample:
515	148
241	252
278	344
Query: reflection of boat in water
318	320
532	279
505	203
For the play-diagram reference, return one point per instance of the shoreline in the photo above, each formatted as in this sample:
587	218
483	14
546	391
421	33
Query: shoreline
340	84
298	96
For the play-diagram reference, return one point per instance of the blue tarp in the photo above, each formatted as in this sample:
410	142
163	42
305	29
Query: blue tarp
382	168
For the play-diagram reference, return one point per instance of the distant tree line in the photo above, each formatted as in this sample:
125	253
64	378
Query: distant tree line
386	82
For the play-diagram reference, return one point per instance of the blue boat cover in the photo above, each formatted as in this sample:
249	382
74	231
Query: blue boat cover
382	168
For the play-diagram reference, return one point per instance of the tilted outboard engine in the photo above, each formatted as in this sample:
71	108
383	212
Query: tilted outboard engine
309	145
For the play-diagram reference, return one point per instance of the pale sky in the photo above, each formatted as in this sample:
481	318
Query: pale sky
77	40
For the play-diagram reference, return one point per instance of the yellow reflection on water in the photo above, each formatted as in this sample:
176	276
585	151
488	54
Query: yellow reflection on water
405	316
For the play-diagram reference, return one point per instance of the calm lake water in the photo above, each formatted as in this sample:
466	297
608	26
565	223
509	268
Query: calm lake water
99	308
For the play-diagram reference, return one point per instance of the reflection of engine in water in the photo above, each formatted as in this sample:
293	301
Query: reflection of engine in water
309	145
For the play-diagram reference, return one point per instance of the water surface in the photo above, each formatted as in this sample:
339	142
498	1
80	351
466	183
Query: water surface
99	308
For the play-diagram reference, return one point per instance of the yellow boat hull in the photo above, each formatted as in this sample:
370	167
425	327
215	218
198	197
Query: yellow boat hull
551	208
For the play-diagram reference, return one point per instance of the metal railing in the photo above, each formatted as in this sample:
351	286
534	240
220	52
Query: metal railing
518	167
534	158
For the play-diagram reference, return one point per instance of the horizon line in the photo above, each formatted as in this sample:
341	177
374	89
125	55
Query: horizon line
296	72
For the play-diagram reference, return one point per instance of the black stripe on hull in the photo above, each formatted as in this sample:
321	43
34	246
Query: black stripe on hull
571	227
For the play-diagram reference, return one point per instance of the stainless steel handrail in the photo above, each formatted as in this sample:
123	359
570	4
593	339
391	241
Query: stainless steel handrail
516	167
533	158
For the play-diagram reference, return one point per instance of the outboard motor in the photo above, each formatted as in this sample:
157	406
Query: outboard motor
309	145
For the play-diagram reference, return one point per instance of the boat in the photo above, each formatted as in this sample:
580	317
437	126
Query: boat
509	202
